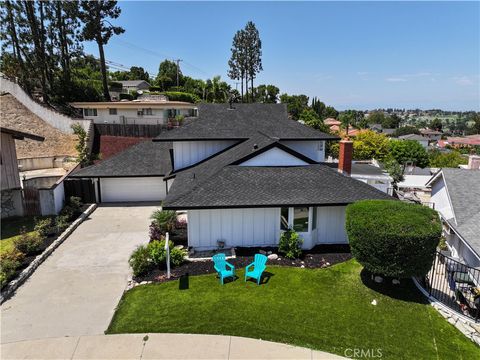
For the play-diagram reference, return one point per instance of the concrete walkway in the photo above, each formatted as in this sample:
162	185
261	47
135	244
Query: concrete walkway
75	291
156	346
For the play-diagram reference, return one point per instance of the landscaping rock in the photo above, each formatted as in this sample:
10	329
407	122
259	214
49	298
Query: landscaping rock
378	279
396	282
263	252
272	257
374	302
269	252
452	321
180	247
303	266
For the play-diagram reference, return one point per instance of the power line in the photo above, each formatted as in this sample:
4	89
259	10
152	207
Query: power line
159	54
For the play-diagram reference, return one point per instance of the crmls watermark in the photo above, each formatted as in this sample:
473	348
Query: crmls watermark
356	353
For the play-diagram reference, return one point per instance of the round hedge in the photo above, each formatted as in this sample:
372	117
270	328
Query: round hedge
393	238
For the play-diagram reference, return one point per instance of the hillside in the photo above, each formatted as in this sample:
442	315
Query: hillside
15	116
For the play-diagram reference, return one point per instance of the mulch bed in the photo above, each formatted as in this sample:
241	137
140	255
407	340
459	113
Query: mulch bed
319	257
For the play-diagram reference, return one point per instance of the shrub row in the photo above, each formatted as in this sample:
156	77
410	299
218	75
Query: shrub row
31	243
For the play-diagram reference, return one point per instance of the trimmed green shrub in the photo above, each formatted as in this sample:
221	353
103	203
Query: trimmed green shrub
140	261
10	261
155	88
181	96
159	255
177	256
61	223
165	219
28	244
44	227
393	238
73	208
290	244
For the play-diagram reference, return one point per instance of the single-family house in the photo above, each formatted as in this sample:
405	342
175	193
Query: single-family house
374	176
128	86
415	137
456	196
244	174
431	135
141	112
11	190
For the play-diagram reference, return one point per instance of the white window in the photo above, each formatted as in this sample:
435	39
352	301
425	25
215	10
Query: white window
147	111
112	111
300	219
90	112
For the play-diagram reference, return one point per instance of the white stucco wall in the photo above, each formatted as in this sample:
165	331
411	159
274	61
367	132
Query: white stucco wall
186	153
440	198
130	116
314	150
274	157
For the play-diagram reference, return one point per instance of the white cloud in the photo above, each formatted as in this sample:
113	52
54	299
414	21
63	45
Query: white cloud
463	80
396	79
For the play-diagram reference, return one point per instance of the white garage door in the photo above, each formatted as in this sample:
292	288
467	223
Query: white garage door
132	189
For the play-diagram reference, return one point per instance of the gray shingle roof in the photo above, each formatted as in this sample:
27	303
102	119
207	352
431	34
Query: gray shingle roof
367	169
147	158
412	137
132	82
218	121
464	191
251	186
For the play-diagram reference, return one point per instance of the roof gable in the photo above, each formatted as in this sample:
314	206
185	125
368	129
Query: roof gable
275	154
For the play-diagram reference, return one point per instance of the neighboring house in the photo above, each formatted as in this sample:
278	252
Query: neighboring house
467	141
128	87
418	138
11	192
380	129
243	175
431	135
134	112
333	124
456	196
414	185
373	176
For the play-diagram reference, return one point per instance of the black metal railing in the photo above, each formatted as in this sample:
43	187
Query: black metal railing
455	285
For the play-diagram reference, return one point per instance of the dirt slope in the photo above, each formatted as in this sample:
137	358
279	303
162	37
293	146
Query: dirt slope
14	115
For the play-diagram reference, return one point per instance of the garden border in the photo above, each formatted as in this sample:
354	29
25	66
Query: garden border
30	269
466	326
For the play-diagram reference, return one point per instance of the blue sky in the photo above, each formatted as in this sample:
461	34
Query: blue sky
349	54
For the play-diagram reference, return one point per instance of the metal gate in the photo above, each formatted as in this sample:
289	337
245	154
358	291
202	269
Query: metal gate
82	188
31	201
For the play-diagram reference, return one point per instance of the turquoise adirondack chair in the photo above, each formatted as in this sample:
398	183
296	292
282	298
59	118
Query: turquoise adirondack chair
258	268
223	267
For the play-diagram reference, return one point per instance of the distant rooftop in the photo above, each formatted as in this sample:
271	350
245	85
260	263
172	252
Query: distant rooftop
131	83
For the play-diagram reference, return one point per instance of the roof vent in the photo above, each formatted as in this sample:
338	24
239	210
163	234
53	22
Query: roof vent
255	146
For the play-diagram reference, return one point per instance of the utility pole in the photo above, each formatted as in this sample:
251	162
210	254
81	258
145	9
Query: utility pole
178	70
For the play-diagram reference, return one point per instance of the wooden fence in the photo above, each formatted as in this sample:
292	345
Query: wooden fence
129	130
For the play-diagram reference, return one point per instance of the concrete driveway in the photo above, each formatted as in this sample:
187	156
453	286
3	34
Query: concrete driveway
75	291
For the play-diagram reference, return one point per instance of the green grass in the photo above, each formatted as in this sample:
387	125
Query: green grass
325	309
11	228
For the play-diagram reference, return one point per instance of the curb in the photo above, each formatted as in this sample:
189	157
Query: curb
30	269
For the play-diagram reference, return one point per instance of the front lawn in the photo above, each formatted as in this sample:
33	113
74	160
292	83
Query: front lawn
11	228
325	309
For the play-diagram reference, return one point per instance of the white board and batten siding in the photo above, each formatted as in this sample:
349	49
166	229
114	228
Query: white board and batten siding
186	153
314	149
236	227
132	189
274	157
260	227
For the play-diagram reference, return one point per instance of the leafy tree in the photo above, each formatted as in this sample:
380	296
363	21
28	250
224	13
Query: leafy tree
246	58
436	124
409	151
446	159
267	94
394	169
295	104
406	130
376	117
82	145
96	16
167	75
370	145
139	73
310	118
254	53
